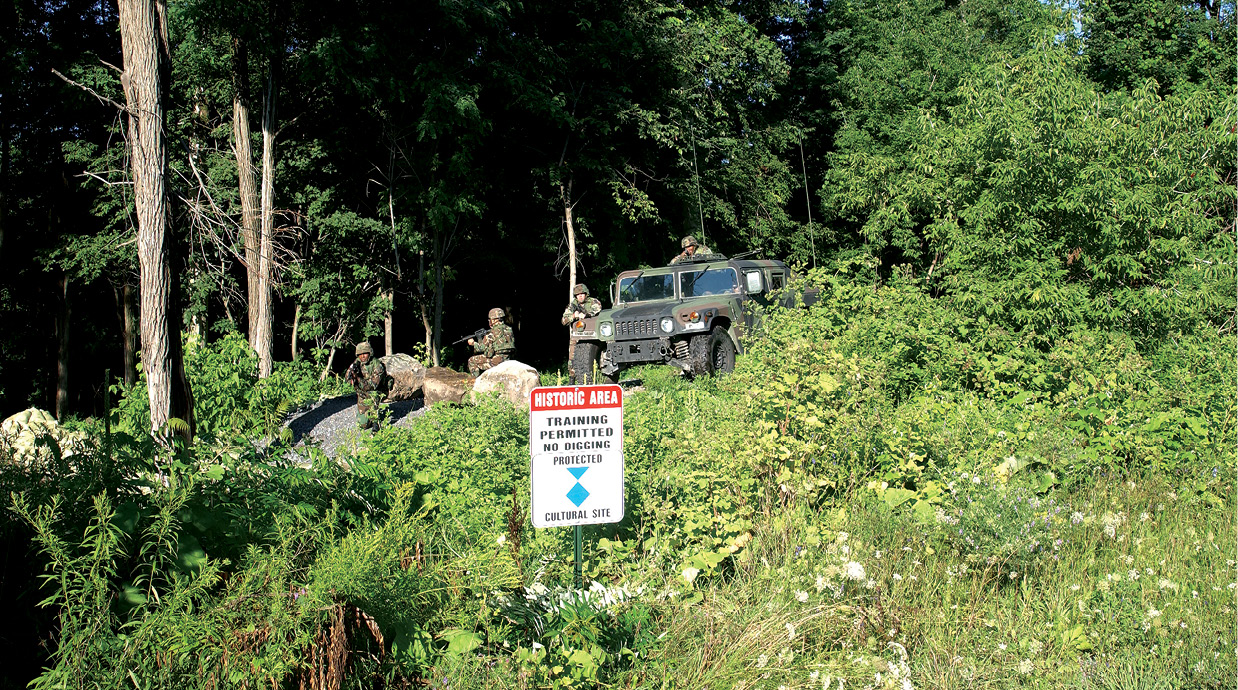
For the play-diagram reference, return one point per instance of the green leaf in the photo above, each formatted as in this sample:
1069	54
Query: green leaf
460	641
896	497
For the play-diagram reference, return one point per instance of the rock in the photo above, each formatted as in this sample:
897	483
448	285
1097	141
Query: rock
20	437
445	385
408	376
513	380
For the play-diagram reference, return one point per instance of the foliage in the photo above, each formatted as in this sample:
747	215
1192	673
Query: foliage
229	398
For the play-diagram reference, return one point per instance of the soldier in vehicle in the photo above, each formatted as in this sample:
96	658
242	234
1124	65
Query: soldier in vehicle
581	306
495	347
690	247
368	377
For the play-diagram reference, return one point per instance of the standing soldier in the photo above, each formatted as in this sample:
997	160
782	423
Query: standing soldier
497	346
581	306
368	377
690	248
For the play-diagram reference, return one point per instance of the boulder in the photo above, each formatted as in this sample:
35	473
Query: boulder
513	380
20	437
407	375
445	385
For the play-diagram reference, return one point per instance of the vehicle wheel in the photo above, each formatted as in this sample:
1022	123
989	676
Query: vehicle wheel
698	354
721	352
587	362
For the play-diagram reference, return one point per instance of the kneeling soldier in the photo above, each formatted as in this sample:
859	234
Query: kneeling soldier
497	346
368	377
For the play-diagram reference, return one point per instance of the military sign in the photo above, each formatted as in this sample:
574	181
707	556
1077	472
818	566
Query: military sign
576	445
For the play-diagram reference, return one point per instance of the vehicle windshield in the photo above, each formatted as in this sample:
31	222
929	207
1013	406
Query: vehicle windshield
708	281
643	288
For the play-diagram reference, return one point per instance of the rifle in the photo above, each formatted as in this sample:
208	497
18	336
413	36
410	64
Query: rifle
353	375
476	335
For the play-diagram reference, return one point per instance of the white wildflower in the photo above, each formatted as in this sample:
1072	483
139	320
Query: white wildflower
1153	613
854	571
1026	667
690	574
762	661
820	583
897	577
801	596
790	631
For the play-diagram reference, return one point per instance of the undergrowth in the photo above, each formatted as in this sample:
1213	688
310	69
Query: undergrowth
887	492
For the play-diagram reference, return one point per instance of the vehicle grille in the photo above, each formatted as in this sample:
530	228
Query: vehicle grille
638	327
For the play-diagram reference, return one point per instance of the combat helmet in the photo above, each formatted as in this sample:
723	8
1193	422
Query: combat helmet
363	347
688	241
580	289
497	313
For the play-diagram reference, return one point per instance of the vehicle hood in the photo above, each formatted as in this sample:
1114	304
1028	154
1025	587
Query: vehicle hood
644	311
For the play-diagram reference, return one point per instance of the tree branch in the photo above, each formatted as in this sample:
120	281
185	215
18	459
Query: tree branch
92	92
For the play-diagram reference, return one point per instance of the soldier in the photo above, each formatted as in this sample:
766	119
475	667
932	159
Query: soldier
581	306
368	377
690	248
497	346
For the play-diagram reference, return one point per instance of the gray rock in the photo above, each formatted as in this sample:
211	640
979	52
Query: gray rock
407	376
511	379
445	385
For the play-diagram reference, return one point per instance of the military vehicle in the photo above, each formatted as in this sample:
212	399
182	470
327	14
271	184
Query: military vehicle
692	315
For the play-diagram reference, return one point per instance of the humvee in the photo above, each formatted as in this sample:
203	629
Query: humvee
692	316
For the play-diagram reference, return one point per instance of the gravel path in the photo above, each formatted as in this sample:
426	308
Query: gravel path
331	424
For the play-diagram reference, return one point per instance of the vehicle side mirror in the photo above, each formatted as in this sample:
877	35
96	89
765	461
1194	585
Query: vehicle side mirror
753	282
614	297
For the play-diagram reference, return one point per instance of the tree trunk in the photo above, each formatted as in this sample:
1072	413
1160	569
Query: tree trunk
388	295
296	325
144	42
62	353
438	295
571	243
245	175
327	369
425	313
123	294
264	326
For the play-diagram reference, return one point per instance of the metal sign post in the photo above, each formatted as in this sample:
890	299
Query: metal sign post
576	458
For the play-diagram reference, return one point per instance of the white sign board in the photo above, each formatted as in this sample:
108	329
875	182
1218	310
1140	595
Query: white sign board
576	444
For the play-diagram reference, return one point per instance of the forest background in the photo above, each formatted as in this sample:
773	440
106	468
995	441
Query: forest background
999	452
397	171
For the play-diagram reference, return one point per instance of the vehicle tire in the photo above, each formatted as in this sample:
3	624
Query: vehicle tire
698	354
587	362
721	352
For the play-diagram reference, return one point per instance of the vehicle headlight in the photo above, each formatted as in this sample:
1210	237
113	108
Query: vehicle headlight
667	324
606	329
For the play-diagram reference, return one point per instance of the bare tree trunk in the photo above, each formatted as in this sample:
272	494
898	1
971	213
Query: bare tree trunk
438	295
264	326
389	295
425	313
62	353
296	325
564	194
327	369
245	175
123	295
143	33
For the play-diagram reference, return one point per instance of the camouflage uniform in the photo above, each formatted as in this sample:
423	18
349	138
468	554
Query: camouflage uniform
496	347
369	380
590	307
686	242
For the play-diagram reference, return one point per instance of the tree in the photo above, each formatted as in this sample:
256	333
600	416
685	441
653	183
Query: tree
144	41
